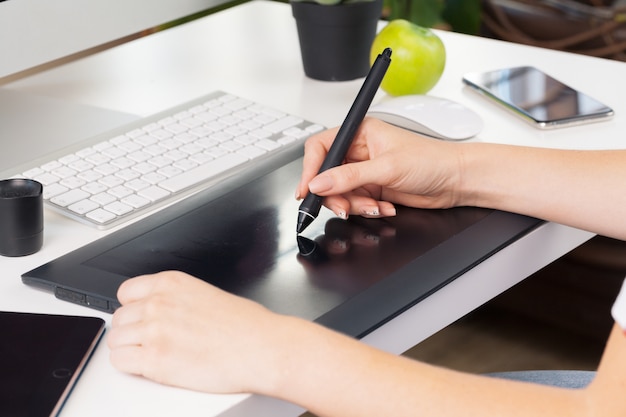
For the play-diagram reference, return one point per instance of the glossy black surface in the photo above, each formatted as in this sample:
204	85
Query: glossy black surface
41	356
244	242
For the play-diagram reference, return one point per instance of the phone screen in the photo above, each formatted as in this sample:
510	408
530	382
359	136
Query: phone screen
41	357
538	97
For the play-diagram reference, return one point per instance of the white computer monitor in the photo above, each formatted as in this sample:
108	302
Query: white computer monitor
37	32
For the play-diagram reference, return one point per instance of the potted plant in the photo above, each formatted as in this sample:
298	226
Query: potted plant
336	36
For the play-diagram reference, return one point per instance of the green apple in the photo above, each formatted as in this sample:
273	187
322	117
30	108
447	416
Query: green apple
417	61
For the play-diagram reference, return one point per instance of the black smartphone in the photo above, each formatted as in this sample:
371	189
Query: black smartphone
41	357
537	97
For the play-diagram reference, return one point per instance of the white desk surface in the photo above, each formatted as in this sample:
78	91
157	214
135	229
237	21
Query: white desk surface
252	50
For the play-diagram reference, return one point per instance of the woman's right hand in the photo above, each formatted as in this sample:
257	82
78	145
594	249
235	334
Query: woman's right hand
384	165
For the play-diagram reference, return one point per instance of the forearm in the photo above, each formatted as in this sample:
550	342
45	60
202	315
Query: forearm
332	375
584	189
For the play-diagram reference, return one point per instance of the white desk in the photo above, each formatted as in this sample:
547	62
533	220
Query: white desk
252	50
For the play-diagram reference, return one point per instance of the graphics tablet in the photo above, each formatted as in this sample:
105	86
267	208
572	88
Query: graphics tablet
41	357
353	275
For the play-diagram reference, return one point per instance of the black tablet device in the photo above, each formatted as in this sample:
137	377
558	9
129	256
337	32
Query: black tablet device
349	275
41	357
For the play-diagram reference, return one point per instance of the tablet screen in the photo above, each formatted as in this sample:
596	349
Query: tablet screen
41	358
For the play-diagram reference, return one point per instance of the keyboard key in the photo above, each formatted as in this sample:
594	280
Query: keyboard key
201	158
146	140
47	178
251	152
177	155
95	188
68	159
106	169
80	165
153	178
135	201
101	216
185	164
72	182
144	168
69	197
97	158
111	181
160	161
51	165
296	133
114	152
102	146
83	206
53	190
125	162
246	139
261	133
83	153
103	198
138	156
90	176
170	171
283	124
211	169
31	173
120	191
127	174
231	145
118	208
268	145
63	172
154	193
137	184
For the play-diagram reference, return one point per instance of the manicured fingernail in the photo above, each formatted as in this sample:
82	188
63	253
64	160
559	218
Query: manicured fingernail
342	214
297	195
320	184
371	211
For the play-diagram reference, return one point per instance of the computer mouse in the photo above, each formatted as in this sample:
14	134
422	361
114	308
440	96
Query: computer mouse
432	116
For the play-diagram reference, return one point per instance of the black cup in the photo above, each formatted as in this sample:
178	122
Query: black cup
21	217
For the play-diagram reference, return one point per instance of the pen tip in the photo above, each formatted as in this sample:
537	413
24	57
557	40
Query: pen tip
305	246
304	219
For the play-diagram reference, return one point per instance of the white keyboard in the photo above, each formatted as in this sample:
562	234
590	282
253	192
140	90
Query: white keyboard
158	159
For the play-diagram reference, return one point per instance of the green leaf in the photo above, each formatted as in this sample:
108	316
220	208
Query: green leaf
463	15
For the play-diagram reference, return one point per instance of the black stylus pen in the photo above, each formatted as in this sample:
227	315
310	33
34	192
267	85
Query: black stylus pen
310	207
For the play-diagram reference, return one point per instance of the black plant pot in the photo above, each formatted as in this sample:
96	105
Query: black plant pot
335	41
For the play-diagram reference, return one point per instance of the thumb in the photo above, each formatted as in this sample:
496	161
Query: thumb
344	178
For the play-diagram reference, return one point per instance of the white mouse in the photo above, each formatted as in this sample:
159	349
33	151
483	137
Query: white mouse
432	116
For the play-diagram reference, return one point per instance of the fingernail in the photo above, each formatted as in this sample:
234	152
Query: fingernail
320	184
297	195
371	211
342	215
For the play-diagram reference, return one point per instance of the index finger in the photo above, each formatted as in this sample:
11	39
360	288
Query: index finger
315	150
139	287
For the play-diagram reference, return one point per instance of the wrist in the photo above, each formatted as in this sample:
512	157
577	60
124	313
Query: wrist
279	356
477	183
